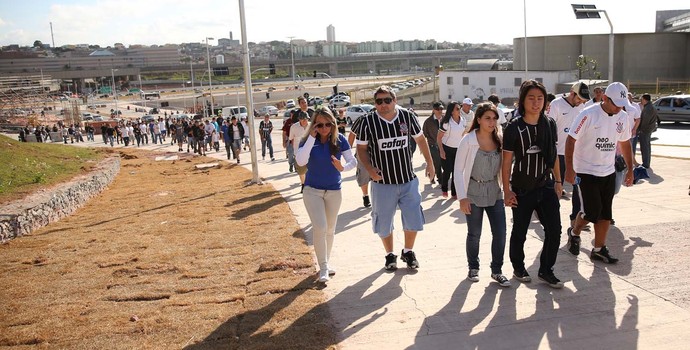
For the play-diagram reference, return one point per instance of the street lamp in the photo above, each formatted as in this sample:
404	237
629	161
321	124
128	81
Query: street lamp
591	11
112	74
292	57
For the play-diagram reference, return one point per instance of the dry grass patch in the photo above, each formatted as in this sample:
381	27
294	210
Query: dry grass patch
168	257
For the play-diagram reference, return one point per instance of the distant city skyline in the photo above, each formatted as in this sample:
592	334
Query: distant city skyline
107	22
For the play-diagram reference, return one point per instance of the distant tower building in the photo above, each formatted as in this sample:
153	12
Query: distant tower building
330	33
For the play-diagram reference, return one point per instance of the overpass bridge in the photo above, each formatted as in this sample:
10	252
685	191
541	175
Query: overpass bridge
80	69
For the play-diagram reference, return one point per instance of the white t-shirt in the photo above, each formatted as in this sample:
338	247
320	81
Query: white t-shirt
597	136
466	118
235	132
452	132
635	113
563	113
296	133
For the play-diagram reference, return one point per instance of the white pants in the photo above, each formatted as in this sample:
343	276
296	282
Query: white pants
322	207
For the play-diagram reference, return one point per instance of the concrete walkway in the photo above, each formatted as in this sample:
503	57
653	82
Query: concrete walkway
642	302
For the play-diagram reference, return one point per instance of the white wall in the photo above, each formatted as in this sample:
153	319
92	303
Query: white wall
478	88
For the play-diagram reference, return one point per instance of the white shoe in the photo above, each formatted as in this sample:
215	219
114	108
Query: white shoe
323	276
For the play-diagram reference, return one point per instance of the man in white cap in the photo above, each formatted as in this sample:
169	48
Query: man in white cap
590	153
466	113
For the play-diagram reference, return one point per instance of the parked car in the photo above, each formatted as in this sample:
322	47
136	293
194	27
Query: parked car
86	116
339	101
234	111
180	117
98	118
270	110
340	93
290	103
148	118
315	101
354	112
674	108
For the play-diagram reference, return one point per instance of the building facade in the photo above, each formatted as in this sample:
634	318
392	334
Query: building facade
642	57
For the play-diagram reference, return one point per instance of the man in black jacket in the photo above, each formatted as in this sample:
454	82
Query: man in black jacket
648	123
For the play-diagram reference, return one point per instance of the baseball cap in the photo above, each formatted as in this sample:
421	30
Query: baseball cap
467	101
582	90
438	105
618	94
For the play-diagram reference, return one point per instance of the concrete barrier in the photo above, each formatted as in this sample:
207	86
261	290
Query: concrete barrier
23	216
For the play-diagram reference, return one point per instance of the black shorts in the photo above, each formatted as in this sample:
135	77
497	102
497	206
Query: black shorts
596	196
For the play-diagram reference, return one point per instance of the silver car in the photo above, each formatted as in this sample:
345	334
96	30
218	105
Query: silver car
674	108
354	112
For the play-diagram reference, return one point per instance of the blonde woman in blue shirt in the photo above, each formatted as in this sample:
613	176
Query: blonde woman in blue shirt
326	153
477	169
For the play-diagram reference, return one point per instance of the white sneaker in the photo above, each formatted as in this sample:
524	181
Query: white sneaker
323	276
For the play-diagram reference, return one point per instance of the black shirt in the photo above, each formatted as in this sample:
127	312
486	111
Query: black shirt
530	166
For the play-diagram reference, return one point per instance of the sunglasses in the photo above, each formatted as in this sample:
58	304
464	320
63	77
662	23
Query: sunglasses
322	125
387	100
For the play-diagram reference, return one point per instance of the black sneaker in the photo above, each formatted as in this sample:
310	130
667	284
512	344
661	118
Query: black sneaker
603	255
410	259
502	280
391	262
552	281
573	242
302	189
522	276
367	202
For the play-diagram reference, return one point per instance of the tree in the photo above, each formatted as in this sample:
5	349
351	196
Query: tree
38	44
587	68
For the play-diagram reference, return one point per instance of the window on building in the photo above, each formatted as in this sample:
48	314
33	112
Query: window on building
492	81
540	80
449	80
465	80
518	81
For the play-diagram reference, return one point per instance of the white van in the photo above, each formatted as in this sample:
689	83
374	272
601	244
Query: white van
237	111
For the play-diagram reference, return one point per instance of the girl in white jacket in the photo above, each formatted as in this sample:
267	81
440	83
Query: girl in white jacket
477	169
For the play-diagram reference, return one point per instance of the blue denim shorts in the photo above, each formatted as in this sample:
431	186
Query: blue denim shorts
385	199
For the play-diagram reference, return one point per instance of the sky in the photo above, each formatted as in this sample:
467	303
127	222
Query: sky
148	22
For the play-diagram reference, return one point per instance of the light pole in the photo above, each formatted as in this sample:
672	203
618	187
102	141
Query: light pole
250	100
208	60
191	71
112	74
292	57
591	11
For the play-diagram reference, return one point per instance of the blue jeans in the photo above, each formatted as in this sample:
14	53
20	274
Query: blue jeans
645	148
575	200
544	201
291	154
497	220
266	142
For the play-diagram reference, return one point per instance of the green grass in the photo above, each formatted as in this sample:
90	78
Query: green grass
26	167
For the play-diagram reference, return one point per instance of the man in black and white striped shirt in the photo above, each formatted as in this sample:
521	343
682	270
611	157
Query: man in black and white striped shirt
383	146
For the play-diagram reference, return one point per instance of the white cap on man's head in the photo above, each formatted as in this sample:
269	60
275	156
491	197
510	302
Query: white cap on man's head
467	101
618	94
